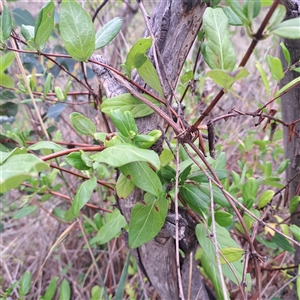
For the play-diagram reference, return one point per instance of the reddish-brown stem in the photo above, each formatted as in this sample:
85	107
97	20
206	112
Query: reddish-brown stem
108	185
67	151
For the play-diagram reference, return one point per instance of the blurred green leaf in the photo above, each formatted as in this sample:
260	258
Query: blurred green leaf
223	218
218	52
24	211
265	198
77	30
124	122
5	25
233	19
75	160
50	291
119	155
64	290
44	25
25	283
227	79
231	254
289	29
263	77
18	168
124	186
294	202
110	229
108	32
82	124
147	220
275	67
195	198
277	16
83	194
46	145
143	177
128	102
282	242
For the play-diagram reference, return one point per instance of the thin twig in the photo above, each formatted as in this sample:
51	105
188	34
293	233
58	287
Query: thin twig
181	295
214	232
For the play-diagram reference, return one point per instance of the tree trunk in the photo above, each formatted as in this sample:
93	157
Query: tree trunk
290	106
175	25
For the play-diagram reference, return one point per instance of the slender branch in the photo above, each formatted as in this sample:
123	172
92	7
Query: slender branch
68	151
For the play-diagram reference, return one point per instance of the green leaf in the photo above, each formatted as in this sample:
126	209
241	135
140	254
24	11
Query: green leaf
166	174
165	157
286	53
265	198
122	282
59	94
213	274
46	145
124	122
263	76
136	56
25	283
282	242
227	79
231	254
82	124
266	2
149	75
44	25
289	29
64	290
143	177
5	155
219	198
233	19
201	177
6	60
296	231
108	32
24	212
28	32
119	155
294	202
50	291
277	17
283	165
275	67
124	186
249	191
47	86
96	292
77	30
18	168
147	140
83	194
147	220
75	160
251	8
110	229
195	198
287	86
128	102
218	53
6	81
224	241
5	24
223	218
237	9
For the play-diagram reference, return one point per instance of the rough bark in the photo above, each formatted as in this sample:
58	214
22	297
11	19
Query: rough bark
175	25
290	105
